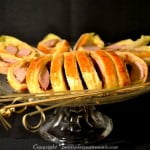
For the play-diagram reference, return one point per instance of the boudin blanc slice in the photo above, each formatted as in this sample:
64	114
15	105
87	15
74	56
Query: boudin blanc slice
16	75
52	44
6	61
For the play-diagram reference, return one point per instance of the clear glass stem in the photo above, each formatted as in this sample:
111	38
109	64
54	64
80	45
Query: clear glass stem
76	125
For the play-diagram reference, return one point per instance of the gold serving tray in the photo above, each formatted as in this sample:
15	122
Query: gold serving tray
66	104
73	98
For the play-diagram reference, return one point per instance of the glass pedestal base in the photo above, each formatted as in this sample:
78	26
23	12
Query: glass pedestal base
76	125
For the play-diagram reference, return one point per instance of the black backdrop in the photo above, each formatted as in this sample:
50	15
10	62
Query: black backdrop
31	20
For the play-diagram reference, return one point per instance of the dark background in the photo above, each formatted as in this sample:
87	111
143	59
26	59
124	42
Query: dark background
113	20
31	20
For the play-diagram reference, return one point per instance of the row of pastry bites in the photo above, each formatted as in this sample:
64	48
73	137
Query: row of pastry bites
76	70
13	49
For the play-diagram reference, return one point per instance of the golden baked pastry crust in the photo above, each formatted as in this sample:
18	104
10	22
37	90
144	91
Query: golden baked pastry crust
71	71
16	47
53	44
33	72
88	71
139	69
56	73
89	40
122	72
107	69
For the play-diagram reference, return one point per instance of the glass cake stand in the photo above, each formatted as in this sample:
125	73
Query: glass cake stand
77	121
74	118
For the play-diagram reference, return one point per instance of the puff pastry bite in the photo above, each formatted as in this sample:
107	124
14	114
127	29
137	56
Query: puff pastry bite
145	55
53	44
6	60
38	76
90	41
57	76
121	69
16	75
129	44
16	47
71	71
88	71
142	52
106	69
138	70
